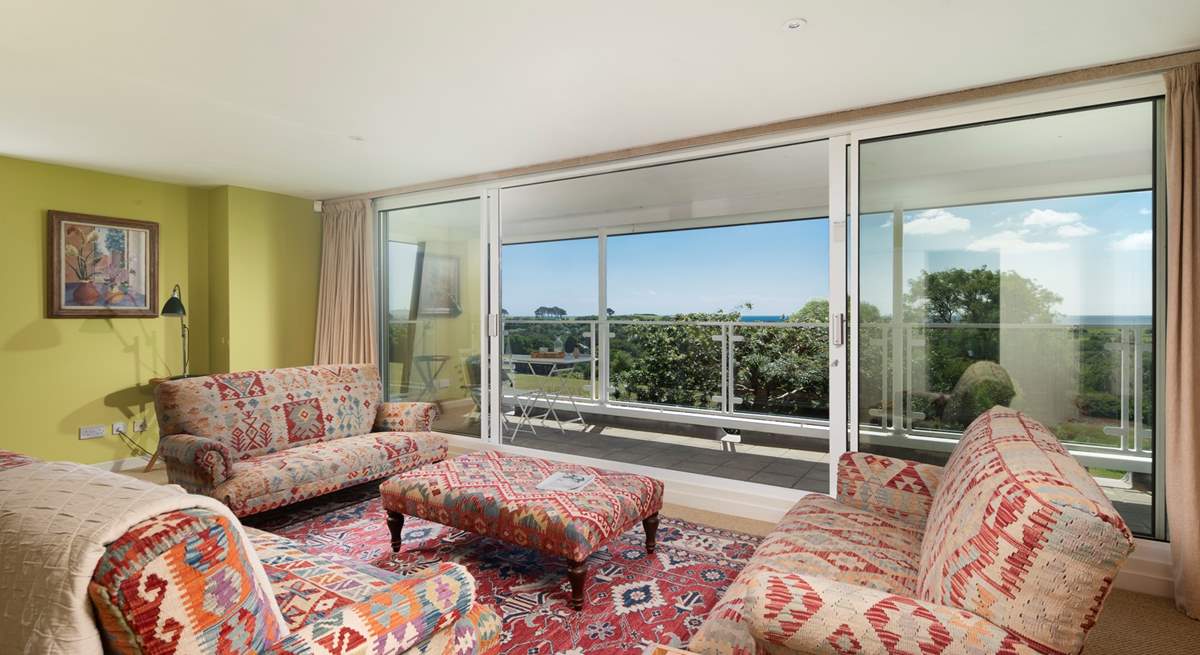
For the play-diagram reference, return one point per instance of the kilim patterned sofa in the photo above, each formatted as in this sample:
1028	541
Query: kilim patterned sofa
181	583
257	440
1010	548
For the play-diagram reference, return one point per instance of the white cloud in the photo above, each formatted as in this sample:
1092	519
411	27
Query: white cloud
1051	218
1013	241
1144	212
1135	241
936	221
1074	230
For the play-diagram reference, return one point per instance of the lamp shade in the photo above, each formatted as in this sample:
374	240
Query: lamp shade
174	304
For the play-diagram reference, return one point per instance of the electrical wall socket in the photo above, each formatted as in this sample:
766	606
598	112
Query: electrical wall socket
139	425
118	427
92	431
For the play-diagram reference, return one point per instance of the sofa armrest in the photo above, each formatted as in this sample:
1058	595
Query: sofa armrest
195	463
392	621
191	558
808	613
895	487
405	417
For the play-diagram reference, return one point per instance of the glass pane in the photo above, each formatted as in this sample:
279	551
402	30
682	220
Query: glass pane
716	289
1011	264
675	363
433	308
549	296
782	369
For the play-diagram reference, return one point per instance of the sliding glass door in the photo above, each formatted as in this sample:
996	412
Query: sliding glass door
432	310
674	316
689	314
1013	263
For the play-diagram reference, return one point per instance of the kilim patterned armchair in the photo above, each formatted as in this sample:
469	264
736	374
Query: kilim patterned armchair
257	440
1010	548
181	583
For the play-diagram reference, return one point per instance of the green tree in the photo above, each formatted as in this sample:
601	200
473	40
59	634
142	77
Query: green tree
668	361
980	295
983	299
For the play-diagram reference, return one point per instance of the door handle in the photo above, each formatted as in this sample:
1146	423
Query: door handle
837	329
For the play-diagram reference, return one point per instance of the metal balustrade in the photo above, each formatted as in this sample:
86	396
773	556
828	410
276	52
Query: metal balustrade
711	370
709	357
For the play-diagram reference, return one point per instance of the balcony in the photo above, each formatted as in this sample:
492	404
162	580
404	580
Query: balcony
685	395
697	395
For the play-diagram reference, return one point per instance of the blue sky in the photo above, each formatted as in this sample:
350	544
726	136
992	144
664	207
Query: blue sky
775	266
1094	251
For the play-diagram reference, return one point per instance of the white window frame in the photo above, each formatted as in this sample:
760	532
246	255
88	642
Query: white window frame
760	501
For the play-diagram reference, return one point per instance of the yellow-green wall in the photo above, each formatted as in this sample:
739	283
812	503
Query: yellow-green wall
218	280
274	257
247	261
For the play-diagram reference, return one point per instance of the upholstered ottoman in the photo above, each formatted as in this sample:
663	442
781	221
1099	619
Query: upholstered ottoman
495	494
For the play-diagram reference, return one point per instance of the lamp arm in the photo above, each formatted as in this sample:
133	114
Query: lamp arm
184	335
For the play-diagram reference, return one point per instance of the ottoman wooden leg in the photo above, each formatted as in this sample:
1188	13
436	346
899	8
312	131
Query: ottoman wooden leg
395	522
650	525
576	574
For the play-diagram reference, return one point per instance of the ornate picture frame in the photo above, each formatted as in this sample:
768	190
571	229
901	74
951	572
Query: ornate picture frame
101	267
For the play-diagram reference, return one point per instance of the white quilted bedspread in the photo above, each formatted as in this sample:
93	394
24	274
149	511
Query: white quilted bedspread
55	520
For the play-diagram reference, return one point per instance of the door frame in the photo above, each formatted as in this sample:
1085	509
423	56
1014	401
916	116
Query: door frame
839	328
380	206
844	385
1065	100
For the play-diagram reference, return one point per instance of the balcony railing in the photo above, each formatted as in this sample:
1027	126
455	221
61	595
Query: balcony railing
775	371
1091	383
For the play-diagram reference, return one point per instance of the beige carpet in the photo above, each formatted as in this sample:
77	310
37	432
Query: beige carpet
1131	624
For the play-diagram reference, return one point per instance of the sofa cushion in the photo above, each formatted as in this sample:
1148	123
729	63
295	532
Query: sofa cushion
308	586
283	477
334	601
824	538
258	412
1020	534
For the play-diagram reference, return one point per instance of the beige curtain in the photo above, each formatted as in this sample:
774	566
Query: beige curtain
347	322
1183	340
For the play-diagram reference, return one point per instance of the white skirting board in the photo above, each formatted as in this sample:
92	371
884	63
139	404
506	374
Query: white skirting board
126	464
1148	569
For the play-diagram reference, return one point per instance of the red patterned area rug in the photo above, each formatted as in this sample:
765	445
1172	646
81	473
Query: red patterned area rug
633	600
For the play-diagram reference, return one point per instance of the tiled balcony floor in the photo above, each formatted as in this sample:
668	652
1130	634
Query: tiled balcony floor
780	467
793	468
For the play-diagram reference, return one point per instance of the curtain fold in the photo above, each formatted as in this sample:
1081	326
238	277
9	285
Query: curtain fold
1183	341
347	321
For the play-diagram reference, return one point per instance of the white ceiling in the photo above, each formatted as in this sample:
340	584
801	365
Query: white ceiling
267	94
1081	152
784	182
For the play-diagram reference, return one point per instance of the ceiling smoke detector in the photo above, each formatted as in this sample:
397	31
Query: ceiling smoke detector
794	24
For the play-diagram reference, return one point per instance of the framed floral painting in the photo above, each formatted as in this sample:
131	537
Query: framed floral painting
101	267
